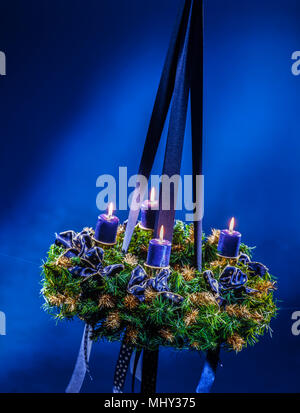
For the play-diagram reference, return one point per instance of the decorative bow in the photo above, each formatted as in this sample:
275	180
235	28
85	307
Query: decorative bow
232	278
255	268
214	286
81	245
139	282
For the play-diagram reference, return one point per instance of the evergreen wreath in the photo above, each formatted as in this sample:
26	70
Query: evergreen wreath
229	303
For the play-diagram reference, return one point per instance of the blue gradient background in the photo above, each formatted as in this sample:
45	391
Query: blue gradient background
76	101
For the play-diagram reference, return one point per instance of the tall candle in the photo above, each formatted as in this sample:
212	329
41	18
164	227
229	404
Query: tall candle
107	227
159	251
149	210
229	241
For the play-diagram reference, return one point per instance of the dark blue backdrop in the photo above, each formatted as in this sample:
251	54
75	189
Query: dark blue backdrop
76	101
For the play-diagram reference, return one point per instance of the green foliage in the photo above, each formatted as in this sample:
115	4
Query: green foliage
197	323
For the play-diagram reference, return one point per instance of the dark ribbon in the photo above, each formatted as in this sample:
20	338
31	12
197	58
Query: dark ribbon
122	367
149	371
136	359
214	287
208	374
139	282
81	245
255	268
232	278
159	113
183	70
173	153
196	98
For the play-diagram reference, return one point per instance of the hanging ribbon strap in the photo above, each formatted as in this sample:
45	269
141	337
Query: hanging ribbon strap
135	368
208	374
122	365
182	73
173	154
149	371
158	117
197	125
81	366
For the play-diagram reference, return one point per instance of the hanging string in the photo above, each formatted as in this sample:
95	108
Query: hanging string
197	122
159	114
183	71
174	146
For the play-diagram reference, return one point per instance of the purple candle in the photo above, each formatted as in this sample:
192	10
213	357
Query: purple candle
229	242
149	209
107	227
159	251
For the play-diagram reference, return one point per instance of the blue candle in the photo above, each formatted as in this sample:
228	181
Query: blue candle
159	251
229	242
149	209
107	227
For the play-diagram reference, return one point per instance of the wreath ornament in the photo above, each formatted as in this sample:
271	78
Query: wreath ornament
229	304
182	290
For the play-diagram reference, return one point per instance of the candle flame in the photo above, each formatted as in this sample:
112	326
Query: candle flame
231	224
110	209
152	194
161	233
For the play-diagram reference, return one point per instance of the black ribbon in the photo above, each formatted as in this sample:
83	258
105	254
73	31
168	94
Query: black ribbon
173	153
196	98
159	113
136	356
149	371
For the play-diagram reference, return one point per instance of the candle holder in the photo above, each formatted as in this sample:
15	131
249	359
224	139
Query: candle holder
228	258
156	268
101	243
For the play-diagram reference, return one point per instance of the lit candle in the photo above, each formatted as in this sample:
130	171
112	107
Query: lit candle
229	241
149	209
107	227
159	251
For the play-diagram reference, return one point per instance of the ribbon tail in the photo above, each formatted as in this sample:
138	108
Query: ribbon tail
149	371
81	366
208	374
135	368
122	367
